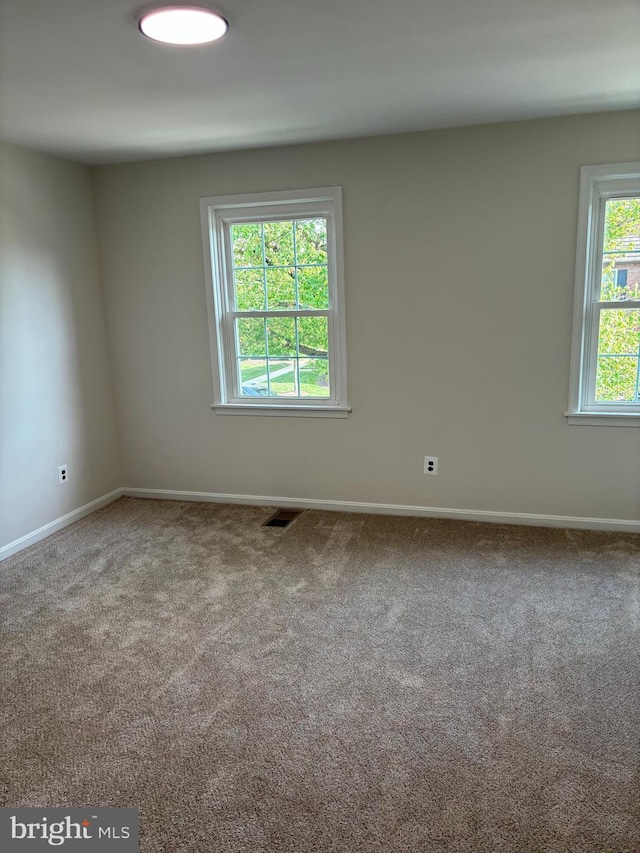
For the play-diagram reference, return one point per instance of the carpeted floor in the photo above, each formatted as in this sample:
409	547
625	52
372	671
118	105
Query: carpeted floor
352	683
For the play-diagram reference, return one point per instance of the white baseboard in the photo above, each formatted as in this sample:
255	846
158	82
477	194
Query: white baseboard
619	524
58	524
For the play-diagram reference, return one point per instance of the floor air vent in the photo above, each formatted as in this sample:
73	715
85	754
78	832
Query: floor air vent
282	518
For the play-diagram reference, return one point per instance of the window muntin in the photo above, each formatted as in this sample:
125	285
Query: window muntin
277	312
606	348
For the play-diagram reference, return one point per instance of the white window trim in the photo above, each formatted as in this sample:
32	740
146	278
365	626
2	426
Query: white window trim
217	213
597	184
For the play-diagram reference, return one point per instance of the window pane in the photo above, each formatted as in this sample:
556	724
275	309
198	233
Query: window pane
246	241
282	377
621	250
313	336
620	278
617	379
281	289
314	377
619	331
278	244
251	336
249	286
618	355
311	241
253	377
281	335
313	287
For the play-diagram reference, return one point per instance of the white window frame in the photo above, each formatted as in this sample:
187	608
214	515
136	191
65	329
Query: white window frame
597	185
218	213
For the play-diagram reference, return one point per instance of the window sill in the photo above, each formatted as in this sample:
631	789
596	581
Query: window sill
282	411
616	419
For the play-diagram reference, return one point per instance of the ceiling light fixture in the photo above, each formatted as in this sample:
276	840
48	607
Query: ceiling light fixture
183	25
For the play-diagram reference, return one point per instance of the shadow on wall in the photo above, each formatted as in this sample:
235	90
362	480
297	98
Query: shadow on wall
51	340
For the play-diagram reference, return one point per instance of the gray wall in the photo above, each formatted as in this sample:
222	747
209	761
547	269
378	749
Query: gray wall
460	253
55	390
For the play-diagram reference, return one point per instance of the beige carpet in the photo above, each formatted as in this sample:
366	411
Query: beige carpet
350	683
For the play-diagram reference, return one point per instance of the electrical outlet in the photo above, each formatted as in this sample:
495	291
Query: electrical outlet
63	474
431	465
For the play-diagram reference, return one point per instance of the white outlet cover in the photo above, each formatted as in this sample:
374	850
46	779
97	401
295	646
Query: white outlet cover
431	465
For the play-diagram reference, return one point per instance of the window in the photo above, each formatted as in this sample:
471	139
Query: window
276	302
620	277
605	372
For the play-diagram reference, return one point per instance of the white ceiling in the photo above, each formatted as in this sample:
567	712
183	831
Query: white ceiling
77	79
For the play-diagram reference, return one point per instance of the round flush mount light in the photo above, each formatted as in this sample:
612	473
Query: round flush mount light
183	25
